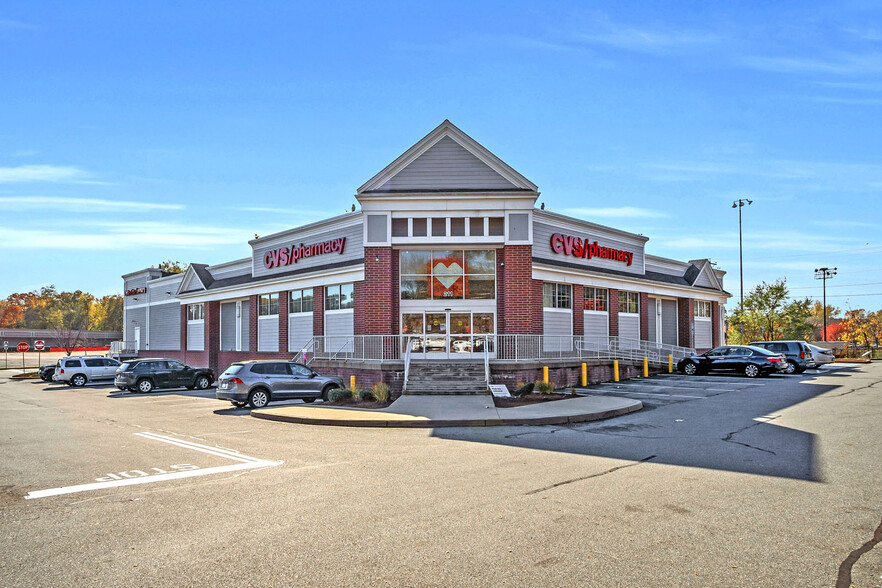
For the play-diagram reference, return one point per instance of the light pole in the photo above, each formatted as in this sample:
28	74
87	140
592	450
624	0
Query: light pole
739	204
825	273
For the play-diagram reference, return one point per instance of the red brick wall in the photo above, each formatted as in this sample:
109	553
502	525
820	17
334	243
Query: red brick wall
375	312
183	327
578	306
613	312
644	316
684	321
211	332
519	304
252	323
715	317
283	321
318	311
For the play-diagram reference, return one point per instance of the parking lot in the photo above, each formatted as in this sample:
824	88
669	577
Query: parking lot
720	481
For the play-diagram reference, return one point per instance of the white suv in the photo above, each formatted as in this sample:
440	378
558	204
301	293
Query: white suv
77	370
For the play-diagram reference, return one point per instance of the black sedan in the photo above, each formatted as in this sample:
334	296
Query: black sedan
47	371
738	359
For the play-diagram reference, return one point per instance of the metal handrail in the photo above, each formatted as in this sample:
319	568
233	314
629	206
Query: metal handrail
487	360
407	360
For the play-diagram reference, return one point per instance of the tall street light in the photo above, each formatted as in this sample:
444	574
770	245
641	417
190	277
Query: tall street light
825	273
739	204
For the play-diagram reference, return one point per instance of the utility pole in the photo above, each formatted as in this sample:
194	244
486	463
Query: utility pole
824	274
739	204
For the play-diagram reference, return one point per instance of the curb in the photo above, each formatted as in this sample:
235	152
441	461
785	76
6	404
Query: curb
431	424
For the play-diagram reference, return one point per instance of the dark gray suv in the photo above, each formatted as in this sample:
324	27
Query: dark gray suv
798	353
258	382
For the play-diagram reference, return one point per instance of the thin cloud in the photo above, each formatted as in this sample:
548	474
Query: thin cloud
90	205
619	212
42	173
848	64
138	235
10	25
647	41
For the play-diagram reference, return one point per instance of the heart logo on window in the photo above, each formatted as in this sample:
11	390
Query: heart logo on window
447	274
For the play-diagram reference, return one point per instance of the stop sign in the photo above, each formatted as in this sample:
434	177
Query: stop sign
39	345
22	347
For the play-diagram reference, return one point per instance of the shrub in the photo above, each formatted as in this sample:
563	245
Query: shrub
525	389
544	388
572	391
366	394
339	394
381	392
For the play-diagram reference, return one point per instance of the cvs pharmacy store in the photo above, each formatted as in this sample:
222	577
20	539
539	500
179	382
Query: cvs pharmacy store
449	265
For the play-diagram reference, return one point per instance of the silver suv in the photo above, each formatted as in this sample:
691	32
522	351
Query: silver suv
77	370
258	382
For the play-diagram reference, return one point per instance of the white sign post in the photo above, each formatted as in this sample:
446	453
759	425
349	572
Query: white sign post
499	391
38	345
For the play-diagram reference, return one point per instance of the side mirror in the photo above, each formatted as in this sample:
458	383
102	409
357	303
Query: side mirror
313	375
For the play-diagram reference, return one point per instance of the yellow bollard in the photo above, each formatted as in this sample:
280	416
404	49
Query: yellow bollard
584	374
671	363
645	367
616	370
545	373
352	382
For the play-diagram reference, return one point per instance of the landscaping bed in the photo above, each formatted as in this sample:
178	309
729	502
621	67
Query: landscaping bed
358	403
531	398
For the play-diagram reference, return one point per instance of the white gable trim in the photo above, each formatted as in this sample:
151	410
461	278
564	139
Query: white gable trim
187	282
447	129
708	269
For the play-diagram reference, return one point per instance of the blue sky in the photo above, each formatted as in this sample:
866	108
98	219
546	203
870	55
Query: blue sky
133	133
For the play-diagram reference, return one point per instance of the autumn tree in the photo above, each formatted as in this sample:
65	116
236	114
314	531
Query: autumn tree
768	314
106	314
173	267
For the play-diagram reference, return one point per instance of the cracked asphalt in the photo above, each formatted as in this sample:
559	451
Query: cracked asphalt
719	481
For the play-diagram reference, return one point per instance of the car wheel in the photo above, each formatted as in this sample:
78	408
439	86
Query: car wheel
308	400
690	369
800	370
258	398
202	382
751	371
238	404
78	380
145	386
791	367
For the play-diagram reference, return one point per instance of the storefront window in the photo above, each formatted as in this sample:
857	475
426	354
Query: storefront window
557	295
702	309
268	304
448	274
412	324
399	227
629	302
457	227
195	312
420	227
497	226
595	299
300	301
339	297
439	227
476	226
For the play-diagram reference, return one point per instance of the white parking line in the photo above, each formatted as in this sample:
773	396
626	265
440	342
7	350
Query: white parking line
245	463
660	394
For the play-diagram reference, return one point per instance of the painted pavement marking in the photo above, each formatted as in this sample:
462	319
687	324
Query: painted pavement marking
245	463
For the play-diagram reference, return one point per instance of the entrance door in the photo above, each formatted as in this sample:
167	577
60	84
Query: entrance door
449	334
436	333
137	338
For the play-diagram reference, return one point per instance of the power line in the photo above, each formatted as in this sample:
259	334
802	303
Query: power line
847	295
836	286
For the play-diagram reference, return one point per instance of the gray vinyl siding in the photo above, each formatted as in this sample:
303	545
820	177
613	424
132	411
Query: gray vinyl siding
299	331
353	250
629	326
165	327
131	284
596	324
542	233
246	325
268	333
704	280
519	226
339	328
196	336
376	227
135	317
653	318
557	328
703	333
446	165
670	335
164	291
228	326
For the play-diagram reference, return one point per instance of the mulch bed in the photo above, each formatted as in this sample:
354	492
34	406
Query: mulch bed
529	399
354	403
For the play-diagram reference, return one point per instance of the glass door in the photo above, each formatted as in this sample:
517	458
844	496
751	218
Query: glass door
436	333
449	334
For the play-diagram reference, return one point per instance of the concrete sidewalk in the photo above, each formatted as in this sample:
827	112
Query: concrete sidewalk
455	411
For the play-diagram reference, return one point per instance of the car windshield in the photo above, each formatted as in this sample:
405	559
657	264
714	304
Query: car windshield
233	370
124	366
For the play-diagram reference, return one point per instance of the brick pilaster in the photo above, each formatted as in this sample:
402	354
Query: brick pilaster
613	312
715	317
644	316
684	322
375	313
318	310
578	308
252	323
519	308
283	321
183	327
212	334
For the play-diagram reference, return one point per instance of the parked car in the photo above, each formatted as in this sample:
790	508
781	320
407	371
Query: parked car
78	370
741	359
821	355
798	354
145	375
47	371
259	382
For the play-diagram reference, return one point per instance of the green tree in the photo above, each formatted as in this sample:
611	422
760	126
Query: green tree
106	314
173	267
768	314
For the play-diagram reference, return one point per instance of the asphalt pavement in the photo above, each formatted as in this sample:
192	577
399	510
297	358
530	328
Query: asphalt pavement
718	481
